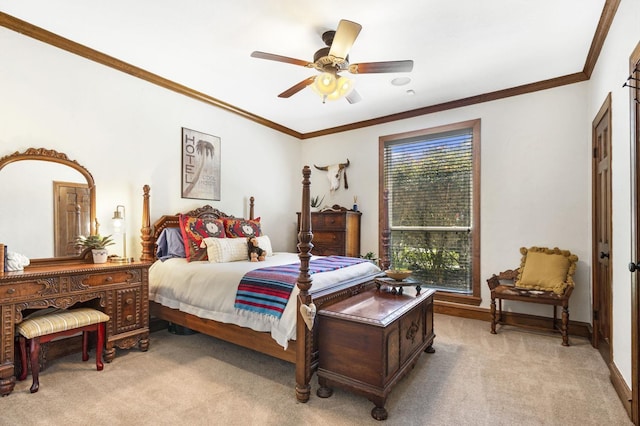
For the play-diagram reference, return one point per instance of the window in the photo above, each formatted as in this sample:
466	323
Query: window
432	182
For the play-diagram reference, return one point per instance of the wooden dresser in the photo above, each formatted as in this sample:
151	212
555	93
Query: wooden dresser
119	290
335	233
370	341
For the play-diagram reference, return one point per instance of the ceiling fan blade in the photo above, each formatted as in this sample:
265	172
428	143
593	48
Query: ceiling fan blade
343	40
278	58
380	67
353	97
297	87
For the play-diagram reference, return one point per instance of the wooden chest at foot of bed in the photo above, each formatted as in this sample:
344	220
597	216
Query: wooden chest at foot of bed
370	341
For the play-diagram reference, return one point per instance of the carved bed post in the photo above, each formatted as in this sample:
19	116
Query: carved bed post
146	240
251	205
386	232
303	335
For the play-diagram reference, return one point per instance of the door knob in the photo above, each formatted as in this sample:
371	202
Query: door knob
603	255
633	267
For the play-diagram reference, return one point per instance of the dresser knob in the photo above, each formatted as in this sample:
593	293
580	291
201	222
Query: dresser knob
129	318
129	301
109	279
11	291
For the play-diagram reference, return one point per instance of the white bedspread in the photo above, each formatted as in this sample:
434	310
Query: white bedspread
208	290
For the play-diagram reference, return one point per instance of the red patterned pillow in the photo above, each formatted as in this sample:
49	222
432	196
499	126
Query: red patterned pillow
194	230
236	228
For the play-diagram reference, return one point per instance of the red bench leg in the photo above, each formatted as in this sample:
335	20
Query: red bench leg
35	365
23	358
99	346
85	344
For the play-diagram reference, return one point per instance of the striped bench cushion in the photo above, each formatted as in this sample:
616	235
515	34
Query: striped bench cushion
61	321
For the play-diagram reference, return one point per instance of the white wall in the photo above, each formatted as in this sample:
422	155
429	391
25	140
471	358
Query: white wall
535	180
536	162
128	133
609	74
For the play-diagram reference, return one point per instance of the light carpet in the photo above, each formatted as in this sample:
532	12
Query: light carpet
516	377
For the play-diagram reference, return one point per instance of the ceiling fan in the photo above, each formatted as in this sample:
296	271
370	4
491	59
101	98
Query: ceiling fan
330	61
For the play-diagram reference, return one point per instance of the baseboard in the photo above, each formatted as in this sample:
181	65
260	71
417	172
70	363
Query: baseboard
576	328
619	384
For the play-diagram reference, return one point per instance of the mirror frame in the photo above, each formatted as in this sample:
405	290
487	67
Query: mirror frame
51	155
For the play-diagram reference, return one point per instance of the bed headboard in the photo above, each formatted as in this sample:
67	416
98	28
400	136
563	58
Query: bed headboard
151	233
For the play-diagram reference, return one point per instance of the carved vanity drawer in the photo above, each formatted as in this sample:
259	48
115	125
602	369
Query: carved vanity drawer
128	315
26	289
113	277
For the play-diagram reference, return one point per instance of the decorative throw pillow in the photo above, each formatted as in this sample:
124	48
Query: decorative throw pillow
265	244
170	244
546	269
194	230
225	249
242	228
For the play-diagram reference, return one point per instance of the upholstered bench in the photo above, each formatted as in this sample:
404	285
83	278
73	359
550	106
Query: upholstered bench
40	329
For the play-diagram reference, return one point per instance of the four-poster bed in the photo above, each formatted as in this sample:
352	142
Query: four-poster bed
303	351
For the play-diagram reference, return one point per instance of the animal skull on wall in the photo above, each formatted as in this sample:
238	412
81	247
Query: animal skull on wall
334	174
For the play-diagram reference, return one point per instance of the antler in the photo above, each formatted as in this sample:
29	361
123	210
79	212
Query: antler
325	168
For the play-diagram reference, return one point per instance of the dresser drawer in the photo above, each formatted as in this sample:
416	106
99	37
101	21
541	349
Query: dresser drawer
328	238
113	277
328	243
24	289
328	221
335	233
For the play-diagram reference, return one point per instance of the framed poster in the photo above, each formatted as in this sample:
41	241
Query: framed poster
200	165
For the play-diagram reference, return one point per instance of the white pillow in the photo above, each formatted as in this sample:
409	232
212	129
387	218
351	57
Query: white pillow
265	244
221	250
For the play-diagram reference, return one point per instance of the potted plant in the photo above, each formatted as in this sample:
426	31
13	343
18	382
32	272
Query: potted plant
371	257
98	245
316	202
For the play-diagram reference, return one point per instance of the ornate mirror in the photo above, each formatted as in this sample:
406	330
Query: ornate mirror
48	200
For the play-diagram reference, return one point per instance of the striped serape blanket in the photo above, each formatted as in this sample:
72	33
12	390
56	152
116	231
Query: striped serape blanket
267	290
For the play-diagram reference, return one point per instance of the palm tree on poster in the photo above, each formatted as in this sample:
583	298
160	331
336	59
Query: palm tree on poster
205	147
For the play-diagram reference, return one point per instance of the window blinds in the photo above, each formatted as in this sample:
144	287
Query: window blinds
430	184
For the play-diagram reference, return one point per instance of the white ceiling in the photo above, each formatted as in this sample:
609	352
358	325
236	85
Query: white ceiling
460	48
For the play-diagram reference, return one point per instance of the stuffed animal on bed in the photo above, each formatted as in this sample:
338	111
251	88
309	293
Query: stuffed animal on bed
255	252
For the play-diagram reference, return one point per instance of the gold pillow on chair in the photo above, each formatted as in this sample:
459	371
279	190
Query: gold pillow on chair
546	269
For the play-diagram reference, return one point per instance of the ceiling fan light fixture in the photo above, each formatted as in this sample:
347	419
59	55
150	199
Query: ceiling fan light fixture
332	87
344	88
325	84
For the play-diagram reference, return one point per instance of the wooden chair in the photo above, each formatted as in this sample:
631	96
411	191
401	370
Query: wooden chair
44	328
545	277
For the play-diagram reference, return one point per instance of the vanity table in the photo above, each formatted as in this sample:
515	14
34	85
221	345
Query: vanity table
119	290
50	200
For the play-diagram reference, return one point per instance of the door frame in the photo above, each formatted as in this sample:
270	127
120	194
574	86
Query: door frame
634	110
603	114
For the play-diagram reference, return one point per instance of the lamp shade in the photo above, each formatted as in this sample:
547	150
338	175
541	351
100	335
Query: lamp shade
118	219
118	227
344	86
325	84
